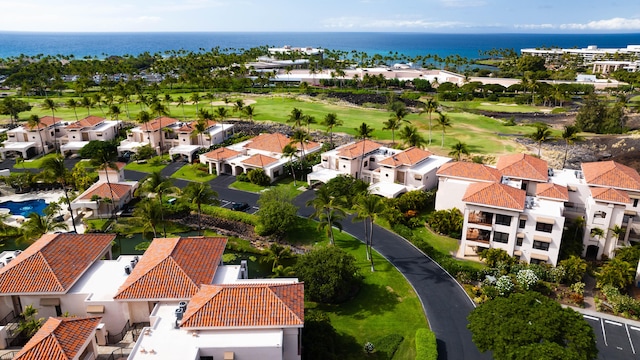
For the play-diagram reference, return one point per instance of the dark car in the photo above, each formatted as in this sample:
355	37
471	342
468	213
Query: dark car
239	206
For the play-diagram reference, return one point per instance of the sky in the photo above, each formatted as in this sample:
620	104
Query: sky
435	16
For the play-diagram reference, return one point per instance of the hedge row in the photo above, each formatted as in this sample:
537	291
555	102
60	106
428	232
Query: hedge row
426	346
224	213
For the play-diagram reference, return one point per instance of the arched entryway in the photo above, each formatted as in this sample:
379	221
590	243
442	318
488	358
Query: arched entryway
592	252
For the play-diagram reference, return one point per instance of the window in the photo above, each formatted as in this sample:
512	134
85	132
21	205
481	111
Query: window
537	261
366	163
544	227
522	223
417	177
523	186
519	241
276	173
58	310
635	202
541	245
503	220
500	237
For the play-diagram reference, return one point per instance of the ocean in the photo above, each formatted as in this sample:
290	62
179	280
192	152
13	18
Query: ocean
13	44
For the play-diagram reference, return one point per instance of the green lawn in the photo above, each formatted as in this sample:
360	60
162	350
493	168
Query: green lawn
191	172
493	106
35	163
286	183
154	164
386	304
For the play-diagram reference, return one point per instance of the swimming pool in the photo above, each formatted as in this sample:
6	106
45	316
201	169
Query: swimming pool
26	207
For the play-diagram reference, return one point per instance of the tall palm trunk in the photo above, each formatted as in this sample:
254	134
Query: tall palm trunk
113	202
66	195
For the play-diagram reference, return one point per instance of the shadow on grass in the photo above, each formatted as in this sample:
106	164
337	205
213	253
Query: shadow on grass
371	299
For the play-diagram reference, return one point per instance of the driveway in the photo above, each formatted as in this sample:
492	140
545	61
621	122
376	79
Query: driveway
444	301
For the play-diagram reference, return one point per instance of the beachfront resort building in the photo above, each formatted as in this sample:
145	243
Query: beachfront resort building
603	60
79	133
107	196
179	137
522	206
264	151
28	141
178	296
390	172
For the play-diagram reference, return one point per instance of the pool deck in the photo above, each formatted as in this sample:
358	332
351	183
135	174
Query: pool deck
48	196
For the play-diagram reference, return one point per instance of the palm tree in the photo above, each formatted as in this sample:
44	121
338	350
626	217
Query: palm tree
289	151
221	113
104	159
458	149
327	209
363	132
411	137
250	112
157	184
429	107
308	120
38	225
34	123
542	134
570	136
331	121
144	117
301	137
200	193
114	111
195	98
72	103
368	207
618	232
275	253
200	128
55	167
181	100
443	122
398	113
296	117
49	104
87	103
597	233
148	213
238	106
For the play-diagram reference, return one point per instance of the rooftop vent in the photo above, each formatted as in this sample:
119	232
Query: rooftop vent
8	259
183	306
127	269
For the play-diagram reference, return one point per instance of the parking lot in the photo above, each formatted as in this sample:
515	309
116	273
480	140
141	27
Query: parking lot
615	339
227	204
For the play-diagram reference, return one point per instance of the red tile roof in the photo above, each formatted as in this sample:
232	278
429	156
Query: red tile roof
610	195
352	151
495	195
174	268
102	190
269	142
53	263
222	153
611	173
260	160
408	157
552	191
258	305
59	339
158	122
190	127
89	121
471	171
523	166
45	122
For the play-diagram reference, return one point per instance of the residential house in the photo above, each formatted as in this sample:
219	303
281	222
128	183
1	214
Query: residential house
185	140
390	172
79	133
261	152
108	195
151	133
70	338
28	141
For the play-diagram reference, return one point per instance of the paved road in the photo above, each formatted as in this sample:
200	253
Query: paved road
616	338
445	302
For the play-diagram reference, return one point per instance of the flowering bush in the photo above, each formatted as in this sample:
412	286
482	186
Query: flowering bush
504	285
527	279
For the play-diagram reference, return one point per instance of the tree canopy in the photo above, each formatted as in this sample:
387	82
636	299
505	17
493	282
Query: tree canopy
277	212
531	326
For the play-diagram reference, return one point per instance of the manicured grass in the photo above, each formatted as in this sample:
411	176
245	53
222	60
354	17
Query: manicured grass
493	106
150	166
35	163
191	172
286	183
386	304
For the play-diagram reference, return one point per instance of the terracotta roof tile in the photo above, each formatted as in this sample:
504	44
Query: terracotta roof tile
355	150
472	171
53	263
269	142
523	166
59	339
256	305
45	122
222	153
260	160
408	157
174	268
611	173
552	191
190	127
158	122
610	195
102	190
496	195
89	121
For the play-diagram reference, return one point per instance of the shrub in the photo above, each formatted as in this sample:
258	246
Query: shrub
388	344
258	177
242	177
504	285
527	279
426	345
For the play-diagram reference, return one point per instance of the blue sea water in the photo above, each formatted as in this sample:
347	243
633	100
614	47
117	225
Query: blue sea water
410	44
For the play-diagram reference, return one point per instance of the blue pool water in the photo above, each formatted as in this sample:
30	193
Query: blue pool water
25	208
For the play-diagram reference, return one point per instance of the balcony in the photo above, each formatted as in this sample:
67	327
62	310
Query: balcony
480	218
478	235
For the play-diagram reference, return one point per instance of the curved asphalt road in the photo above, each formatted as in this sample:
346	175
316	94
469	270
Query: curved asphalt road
444	301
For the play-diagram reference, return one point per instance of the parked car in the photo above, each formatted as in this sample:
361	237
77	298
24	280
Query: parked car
239	206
